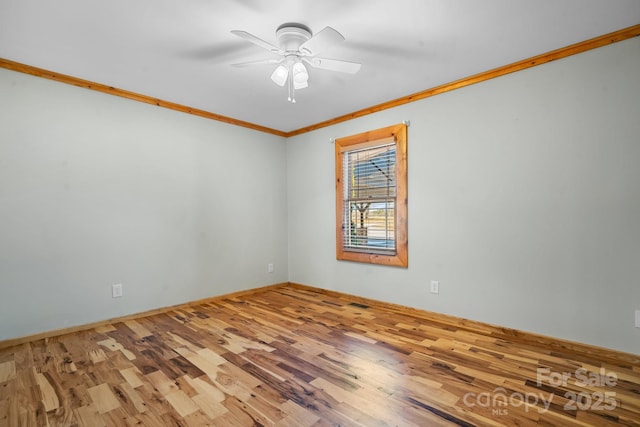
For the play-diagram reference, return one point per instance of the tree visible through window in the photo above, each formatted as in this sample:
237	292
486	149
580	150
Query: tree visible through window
371	197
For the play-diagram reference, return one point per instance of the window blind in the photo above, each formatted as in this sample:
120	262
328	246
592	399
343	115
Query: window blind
369	198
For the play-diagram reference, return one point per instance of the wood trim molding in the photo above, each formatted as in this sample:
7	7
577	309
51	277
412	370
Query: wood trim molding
564	52
63	78
487	329
610	38
557	344
63	331
398	135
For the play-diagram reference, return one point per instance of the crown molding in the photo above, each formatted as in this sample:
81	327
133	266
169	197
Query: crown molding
544	58
99	87
610	38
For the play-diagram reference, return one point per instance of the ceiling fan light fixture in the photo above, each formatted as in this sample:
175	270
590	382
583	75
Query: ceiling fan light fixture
280	75
300	74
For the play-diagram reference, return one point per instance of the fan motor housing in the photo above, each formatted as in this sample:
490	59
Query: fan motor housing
291	35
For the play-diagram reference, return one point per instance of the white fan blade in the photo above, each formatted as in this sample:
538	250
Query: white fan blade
257	41
334	65
320	41
262	62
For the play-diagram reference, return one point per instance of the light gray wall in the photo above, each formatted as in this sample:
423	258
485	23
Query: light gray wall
524	202
96	190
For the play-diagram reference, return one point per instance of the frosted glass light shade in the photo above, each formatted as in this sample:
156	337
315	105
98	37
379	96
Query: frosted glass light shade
300	74
280	75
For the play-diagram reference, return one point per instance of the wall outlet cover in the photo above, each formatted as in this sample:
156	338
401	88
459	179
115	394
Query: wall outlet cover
116	290
435	287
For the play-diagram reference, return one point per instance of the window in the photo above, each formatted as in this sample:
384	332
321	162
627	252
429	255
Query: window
371	197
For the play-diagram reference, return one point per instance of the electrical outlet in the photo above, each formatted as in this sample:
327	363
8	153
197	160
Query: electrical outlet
435	287
270	268
116	290
637	318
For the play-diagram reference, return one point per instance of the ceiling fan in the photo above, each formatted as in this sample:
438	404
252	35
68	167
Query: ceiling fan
298	45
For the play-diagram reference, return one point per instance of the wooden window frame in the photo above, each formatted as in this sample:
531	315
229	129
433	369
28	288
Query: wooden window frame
370	139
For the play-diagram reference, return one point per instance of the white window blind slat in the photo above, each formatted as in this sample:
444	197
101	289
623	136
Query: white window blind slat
369	198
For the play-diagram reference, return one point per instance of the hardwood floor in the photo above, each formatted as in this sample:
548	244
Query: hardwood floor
297	356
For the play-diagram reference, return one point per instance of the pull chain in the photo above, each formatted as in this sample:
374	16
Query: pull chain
292	89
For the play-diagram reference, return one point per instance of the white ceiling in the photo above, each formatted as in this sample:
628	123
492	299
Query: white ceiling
181	50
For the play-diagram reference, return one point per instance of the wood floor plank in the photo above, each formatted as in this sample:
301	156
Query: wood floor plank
89	416
7	371
299	356
49	397
181	403
103	398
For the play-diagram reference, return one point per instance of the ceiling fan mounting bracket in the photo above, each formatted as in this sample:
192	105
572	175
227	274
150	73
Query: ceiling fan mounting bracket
292	35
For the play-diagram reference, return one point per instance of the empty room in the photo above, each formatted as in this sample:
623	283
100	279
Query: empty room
336	213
